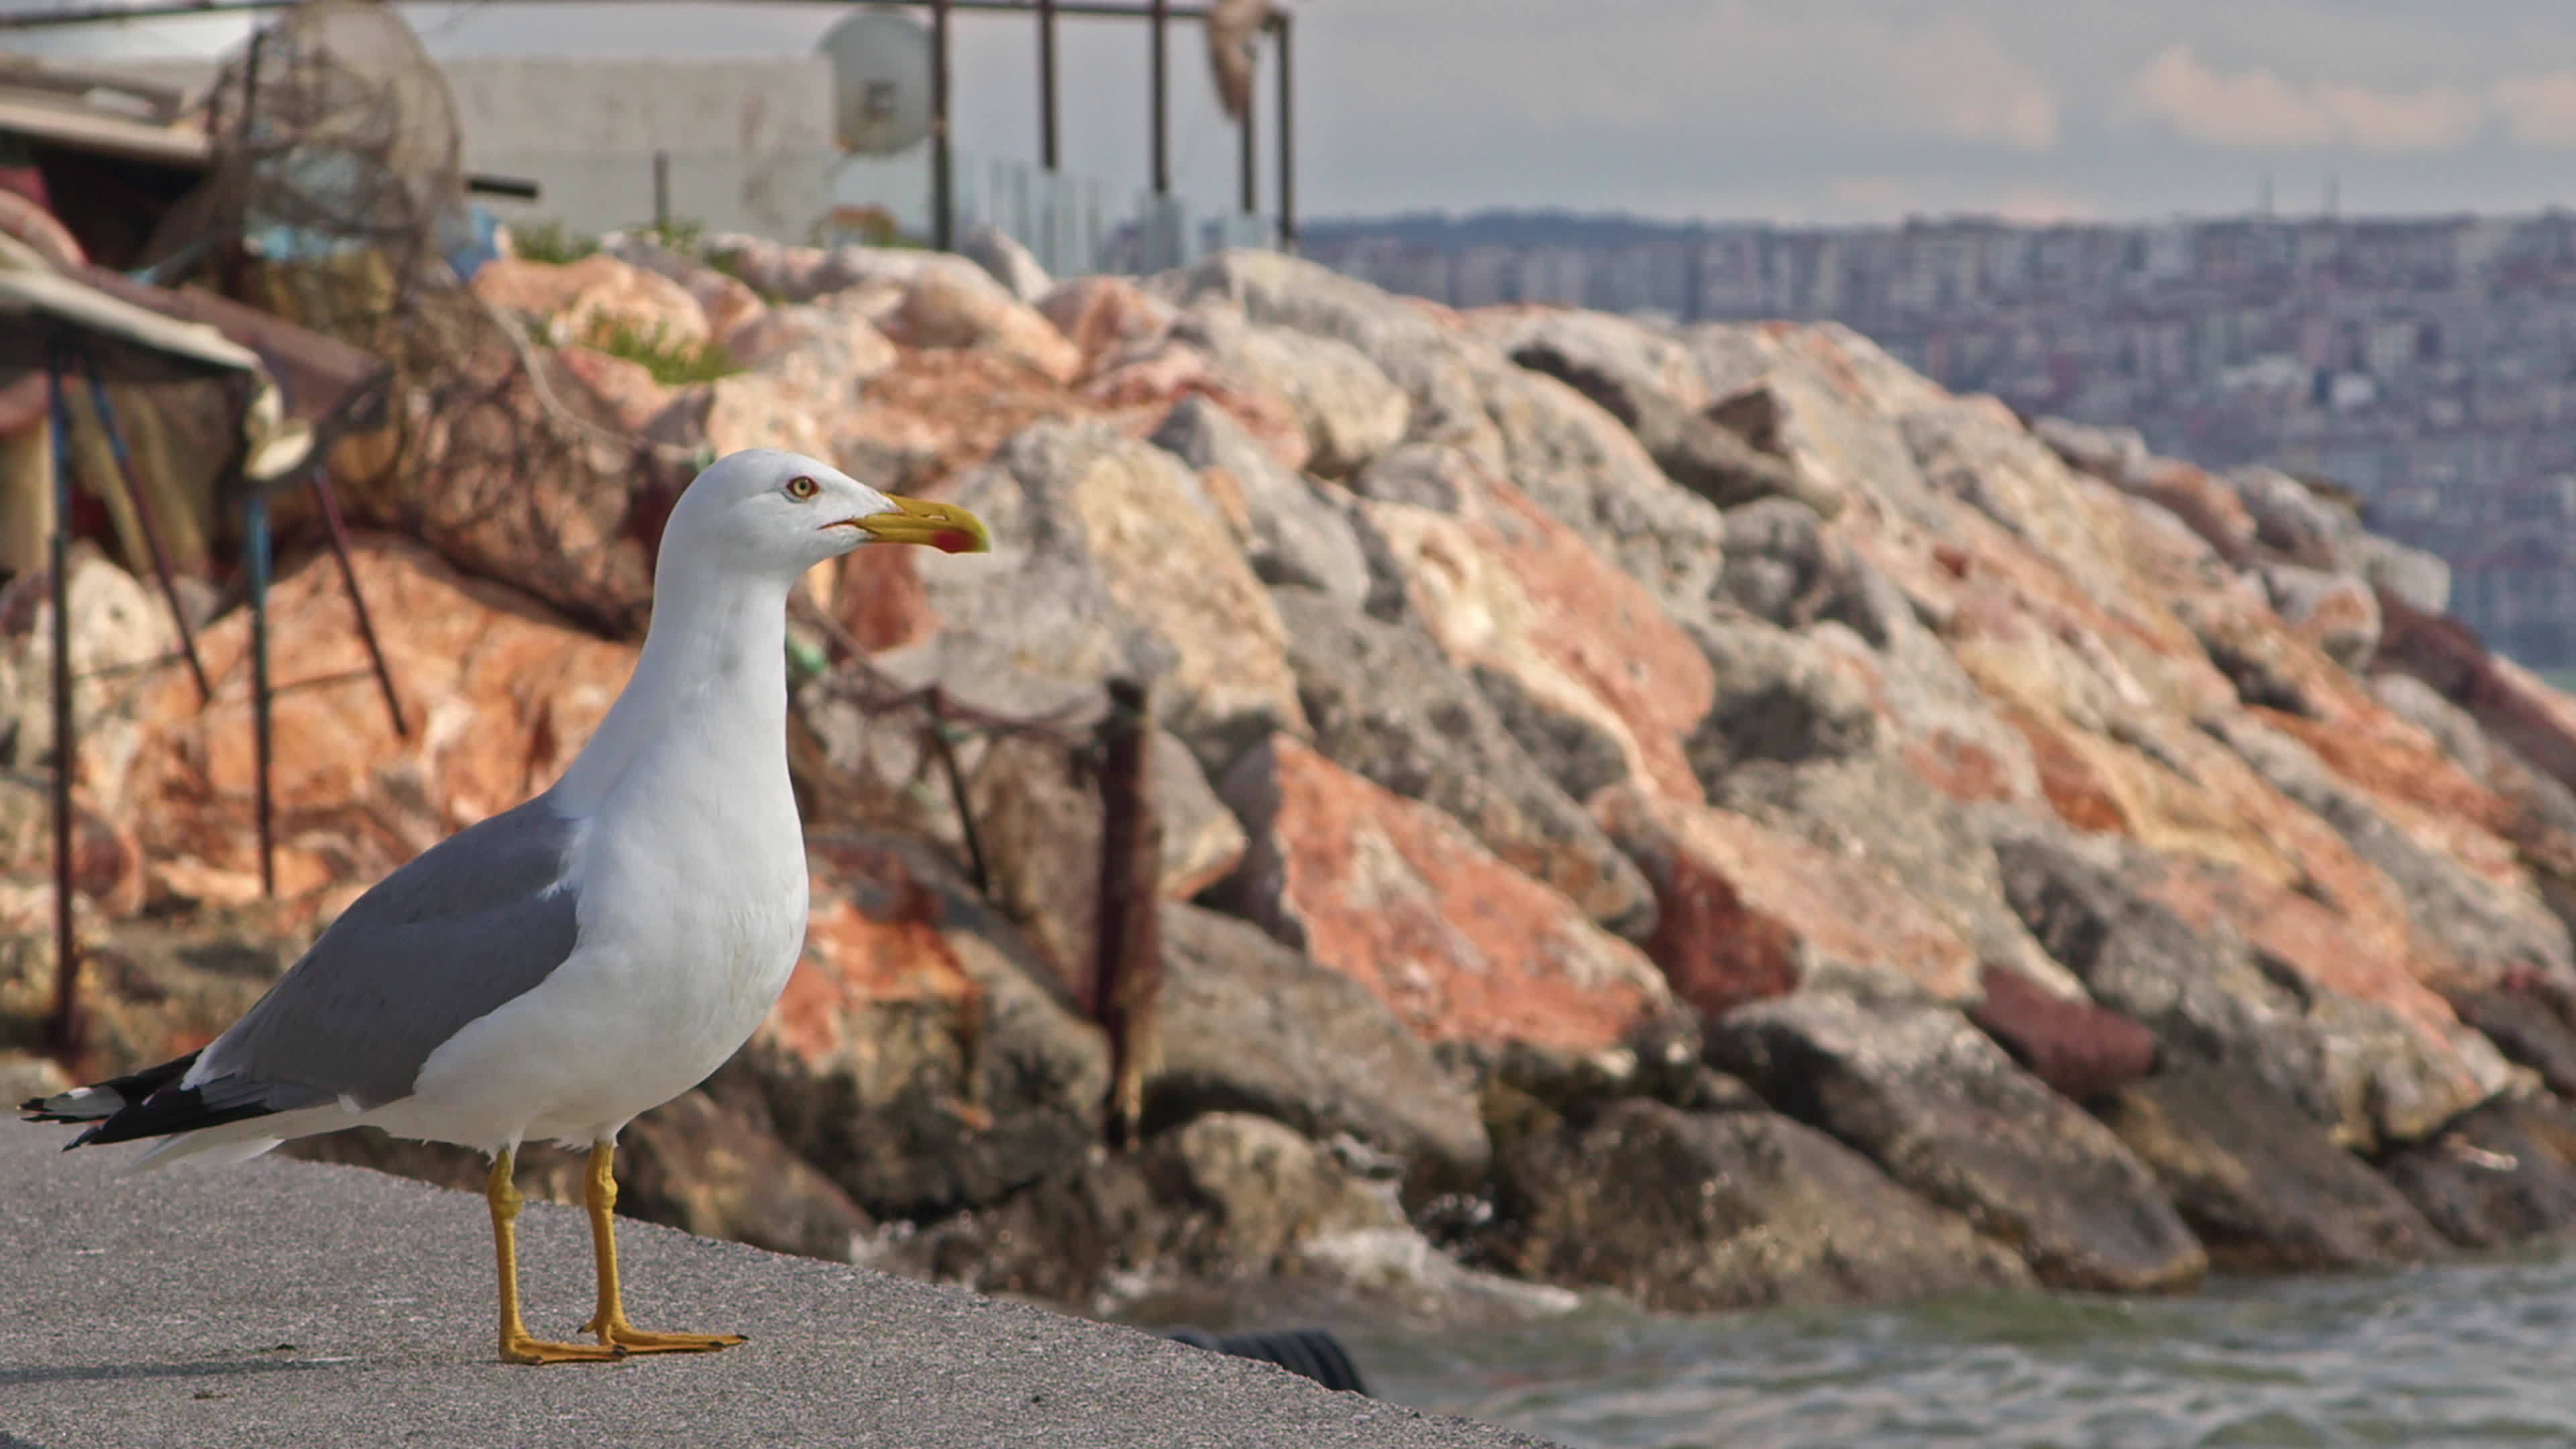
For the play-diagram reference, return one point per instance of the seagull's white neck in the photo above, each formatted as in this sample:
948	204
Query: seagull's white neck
714	665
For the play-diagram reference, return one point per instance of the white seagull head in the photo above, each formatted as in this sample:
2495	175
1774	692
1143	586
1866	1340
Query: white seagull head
775	515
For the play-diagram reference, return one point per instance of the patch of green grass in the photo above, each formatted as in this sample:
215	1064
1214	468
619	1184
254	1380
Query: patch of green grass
673	362
551	241
684	237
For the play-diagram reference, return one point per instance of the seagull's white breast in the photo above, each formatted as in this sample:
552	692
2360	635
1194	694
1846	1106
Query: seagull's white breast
692	882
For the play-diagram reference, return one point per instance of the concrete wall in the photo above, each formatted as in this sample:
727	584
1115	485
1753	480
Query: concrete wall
750	140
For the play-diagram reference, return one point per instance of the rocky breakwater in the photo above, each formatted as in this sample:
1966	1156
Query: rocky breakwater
1699	813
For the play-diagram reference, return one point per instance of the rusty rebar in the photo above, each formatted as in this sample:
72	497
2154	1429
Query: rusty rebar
1127	967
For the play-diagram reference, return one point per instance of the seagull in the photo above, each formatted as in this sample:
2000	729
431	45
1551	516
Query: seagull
573	962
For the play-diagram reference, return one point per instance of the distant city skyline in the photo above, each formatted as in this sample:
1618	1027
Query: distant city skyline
1790	111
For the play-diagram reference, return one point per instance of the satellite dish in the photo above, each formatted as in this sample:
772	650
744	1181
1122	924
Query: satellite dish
880	81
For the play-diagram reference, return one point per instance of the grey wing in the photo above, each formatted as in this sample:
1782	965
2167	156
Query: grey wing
476	920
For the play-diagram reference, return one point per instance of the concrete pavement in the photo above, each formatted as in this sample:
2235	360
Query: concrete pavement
284	1303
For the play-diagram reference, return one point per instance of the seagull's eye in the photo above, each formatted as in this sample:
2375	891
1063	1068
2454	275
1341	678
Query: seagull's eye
802	488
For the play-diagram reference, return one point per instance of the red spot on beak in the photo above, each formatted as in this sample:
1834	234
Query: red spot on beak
950	540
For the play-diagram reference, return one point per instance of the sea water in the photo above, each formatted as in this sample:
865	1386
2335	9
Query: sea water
2459	1355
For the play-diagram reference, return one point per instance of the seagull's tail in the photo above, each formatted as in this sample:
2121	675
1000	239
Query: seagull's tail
100	1101
116	1111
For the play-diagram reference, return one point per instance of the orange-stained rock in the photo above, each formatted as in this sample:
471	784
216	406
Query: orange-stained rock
1105	316
1506	588
857	961
918	1055
576	301
498	695
826	350
948	409
1403	900
1745	912
958	306
878	596
2205	502
1156	379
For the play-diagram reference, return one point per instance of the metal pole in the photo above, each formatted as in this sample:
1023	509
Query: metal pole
1287	137
143	518
339	530
1158	84
1046	85
255	524
62	1034
1247	157
662	192
943	220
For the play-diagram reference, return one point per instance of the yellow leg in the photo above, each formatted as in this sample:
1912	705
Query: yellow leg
516	1345
600	1196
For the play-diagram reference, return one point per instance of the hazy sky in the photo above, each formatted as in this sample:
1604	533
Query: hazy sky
1803	110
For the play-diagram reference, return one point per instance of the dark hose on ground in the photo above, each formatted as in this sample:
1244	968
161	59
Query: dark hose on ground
1312	1352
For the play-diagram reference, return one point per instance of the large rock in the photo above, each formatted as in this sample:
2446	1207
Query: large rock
821	349
1108	560
2336	612
2373	1059
1688	1213
2083	1050
1291	530
1248	1025
1106	318
959	306
727	301
1217	1211
2421	578
2258	1179
1630	357
1405	337
1649	383
1009	263
2292	520
1573	459
919	1055
2114	455
498	697
1558	447
1387	706
2502	1175
1554	631
2481	933
1350	410
1874	810
1745	912
1948	1115
120	628
1402	899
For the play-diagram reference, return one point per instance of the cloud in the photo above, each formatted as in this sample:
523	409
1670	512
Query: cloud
2539	110
2256	109
1977	90
2427	120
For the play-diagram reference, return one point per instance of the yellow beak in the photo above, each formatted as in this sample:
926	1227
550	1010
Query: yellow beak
943	526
